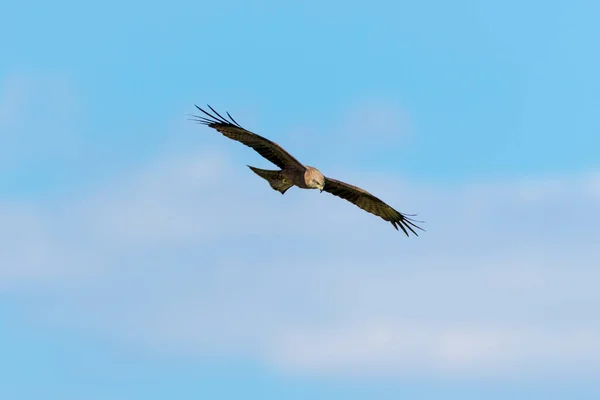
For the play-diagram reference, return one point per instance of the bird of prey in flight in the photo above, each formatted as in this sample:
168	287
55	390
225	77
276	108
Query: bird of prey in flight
294	173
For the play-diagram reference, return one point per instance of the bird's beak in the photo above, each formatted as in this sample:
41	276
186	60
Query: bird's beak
321	191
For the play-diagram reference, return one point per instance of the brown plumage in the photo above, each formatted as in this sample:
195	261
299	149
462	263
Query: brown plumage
294	173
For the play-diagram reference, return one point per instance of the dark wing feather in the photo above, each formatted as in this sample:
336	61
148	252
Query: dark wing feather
231	129
370	203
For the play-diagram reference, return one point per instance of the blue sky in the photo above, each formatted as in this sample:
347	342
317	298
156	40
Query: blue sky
140	258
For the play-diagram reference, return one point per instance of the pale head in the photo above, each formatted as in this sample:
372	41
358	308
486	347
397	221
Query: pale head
314	179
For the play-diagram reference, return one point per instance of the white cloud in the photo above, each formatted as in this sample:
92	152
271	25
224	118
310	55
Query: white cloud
195	254
22	231
411	349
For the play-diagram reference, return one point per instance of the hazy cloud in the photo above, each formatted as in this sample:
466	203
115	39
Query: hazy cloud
193	254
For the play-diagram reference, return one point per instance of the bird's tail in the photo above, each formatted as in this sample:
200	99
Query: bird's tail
275	179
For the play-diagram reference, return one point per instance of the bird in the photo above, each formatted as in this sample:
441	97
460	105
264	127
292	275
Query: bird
293	173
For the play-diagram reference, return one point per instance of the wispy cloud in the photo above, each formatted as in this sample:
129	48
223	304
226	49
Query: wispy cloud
463	351
194	254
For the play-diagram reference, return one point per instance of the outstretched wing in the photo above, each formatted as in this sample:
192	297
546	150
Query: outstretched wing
231	129
370	203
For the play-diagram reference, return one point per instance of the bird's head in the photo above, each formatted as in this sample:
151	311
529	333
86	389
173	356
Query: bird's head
314	178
